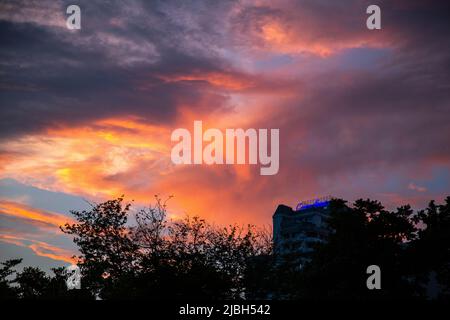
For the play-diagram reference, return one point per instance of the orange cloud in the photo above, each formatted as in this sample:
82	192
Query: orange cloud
25	212
117	156
40	248
283	39
290	27
45	250
224	80
85	159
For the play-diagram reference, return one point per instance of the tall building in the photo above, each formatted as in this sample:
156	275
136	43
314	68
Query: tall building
295	231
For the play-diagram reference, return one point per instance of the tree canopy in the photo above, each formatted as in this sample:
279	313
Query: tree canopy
155	257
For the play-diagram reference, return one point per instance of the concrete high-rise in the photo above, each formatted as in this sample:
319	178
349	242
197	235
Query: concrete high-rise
295	231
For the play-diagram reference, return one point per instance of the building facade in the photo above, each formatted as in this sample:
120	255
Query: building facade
296	231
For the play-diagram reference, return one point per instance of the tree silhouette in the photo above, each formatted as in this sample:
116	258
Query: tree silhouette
6	291
32	282
363	235
407	247
430	251
158	258
102	237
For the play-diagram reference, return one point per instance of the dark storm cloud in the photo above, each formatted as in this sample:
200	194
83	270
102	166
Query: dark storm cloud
393	117
51	76
393	110
389	116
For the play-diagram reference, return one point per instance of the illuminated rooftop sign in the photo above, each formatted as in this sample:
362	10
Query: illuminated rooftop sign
313	203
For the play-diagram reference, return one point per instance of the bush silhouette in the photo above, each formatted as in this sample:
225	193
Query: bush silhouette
154	257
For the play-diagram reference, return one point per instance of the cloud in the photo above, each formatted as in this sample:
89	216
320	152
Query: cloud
42	13
305	27
25	212
355	108
413	186
40	248
100	72
152	60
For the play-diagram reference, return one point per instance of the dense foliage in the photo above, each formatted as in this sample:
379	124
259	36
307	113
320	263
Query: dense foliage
157	258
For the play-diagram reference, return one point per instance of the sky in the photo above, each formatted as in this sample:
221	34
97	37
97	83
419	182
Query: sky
86	115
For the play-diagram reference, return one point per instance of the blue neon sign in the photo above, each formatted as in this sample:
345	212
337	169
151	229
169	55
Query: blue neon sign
315	203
